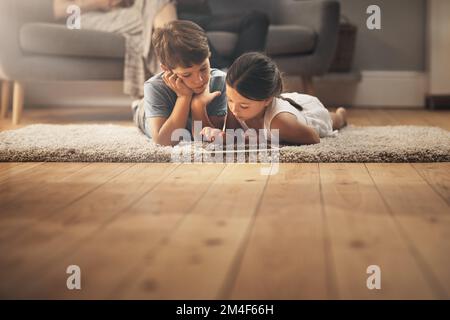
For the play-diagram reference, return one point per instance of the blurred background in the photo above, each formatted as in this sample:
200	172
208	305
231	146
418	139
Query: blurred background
324	47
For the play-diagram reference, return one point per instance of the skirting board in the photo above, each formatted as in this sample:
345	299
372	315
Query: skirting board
372	89
375	89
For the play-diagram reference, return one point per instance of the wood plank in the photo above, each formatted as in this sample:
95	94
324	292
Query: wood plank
359	117
438	177
363	233
29	189
409	117
32	196
381	117
423	217
430	238
195	260
44	236
285	257
23	179
436	118
118	235
71	115
405	191
10	169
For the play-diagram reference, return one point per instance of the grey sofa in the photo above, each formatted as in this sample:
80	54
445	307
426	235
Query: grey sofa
302	40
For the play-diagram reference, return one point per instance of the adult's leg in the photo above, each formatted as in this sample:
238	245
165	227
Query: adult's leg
167	14
202	20
251	28
216	59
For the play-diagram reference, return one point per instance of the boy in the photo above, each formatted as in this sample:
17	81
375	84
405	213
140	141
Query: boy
187	90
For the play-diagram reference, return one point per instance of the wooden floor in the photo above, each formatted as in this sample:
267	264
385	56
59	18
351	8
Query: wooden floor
193	231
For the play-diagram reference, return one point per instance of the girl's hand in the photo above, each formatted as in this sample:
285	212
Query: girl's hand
211	134
176	84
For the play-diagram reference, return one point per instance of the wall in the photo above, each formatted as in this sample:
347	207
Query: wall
399	45
390	63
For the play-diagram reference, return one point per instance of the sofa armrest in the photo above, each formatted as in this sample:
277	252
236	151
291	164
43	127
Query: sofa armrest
320	15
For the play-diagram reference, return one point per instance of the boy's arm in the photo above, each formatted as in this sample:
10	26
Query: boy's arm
162	128
199	112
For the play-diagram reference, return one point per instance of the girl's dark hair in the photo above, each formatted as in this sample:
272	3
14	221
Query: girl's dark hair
256	77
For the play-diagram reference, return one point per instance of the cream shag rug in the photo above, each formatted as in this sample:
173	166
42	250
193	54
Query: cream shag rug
114	143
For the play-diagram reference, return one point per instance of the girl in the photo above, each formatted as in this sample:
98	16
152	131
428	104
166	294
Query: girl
254	86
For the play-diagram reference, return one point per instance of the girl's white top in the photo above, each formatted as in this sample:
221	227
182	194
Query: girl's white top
314	114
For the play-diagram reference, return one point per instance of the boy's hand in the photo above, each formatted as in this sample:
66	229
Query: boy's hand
210	134
201	100
176	84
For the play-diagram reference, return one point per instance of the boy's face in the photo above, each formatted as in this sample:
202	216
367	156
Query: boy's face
196	77
243	108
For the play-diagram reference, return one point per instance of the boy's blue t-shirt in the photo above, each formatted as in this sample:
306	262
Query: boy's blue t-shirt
159	99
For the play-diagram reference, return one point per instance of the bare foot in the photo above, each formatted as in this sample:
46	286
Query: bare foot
343	113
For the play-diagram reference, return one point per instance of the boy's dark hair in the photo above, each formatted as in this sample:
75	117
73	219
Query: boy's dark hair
181	43
256	77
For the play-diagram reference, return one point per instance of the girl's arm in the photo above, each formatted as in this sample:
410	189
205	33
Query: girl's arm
210	133
293	131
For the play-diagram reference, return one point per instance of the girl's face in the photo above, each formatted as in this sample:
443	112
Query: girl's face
243	108
196	77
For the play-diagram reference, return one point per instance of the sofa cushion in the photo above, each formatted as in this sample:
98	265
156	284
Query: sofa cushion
56	39
223	42
290	39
